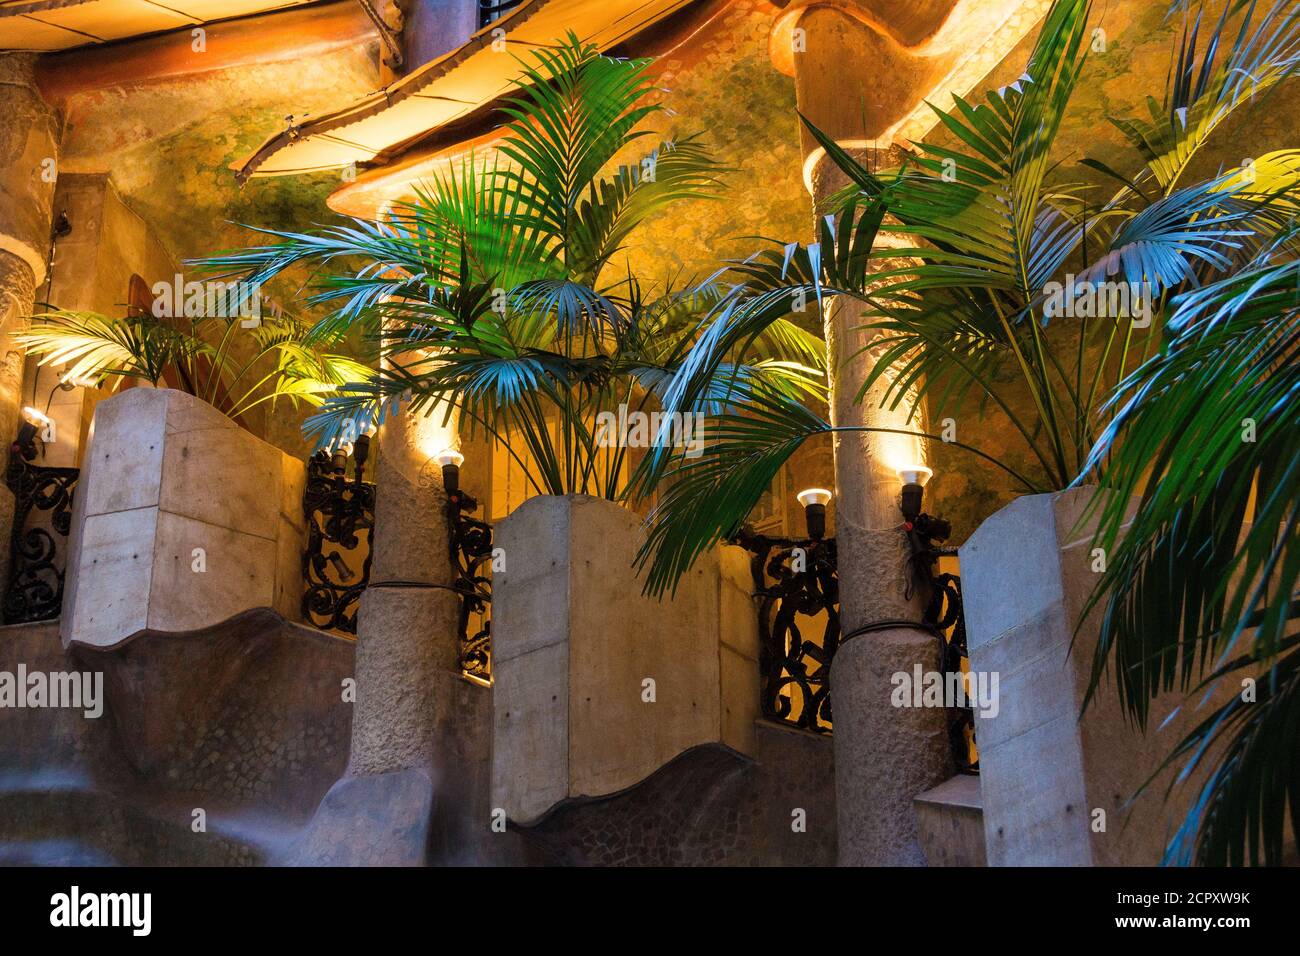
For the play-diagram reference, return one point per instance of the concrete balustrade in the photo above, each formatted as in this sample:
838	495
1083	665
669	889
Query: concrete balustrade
182	520
598	686
1057	787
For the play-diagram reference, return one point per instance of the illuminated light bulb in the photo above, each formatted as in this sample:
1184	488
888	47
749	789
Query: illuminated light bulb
814	501
913	478
450	460
449	456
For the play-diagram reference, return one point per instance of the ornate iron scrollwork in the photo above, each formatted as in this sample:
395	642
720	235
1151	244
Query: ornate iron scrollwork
793	580
340	512
471	555
36	568
946	616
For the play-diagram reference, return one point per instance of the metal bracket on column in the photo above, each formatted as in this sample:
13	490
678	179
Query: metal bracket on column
944	616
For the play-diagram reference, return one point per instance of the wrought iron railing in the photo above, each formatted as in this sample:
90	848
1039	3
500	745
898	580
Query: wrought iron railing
340	516
946	617
799	626
471	557
37	545
797	584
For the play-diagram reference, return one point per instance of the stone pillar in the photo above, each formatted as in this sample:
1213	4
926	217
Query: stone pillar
434	28
884	755
407	648
28	157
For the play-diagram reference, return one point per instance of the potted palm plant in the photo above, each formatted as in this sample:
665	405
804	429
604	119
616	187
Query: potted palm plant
182	517
999	254
497	295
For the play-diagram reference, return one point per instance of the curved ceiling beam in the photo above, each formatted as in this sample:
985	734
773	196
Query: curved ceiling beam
49	25
448	89
373	189
266	38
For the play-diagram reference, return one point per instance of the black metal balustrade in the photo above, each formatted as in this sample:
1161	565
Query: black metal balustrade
471	555
340	516
946	617
37	545
796	581
793	580
470	543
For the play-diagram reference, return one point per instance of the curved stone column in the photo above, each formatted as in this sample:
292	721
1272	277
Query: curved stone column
28	167
407	644
884	755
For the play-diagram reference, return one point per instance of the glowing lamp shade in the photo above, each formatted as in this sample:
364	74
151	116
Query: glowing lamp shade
910	501
814	501
915	475
814	496
451	460
35	416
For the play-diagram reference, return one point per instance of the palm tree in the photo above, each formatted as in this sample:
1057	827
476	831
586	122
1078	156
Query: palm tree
973	313
232	364
1200	589
493	294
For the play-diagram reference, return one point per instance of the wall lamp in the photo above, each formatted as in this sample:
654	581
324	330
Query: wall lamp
914	479
451	460
33	421
910	502
814	501
358	451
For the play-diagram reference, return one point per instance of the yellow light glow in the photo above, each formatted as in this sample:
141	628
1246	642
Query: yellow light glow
34	416
900	451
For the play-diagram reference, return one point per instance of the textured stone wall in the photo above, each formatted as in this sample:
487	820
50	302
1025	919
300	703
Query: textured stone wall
245	721
709	807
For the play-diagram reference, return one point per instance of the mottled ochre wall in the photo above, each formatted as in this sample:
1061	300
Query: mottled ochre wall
168	146
722	83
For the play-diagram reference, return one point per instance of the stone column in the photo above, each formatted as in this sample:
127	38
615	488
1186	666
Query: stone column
884	755
407	648
421	731
28	158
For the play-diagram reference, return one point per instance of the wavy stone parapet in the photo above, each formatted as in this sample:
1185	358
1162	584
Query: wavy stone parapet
170	485
574	643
